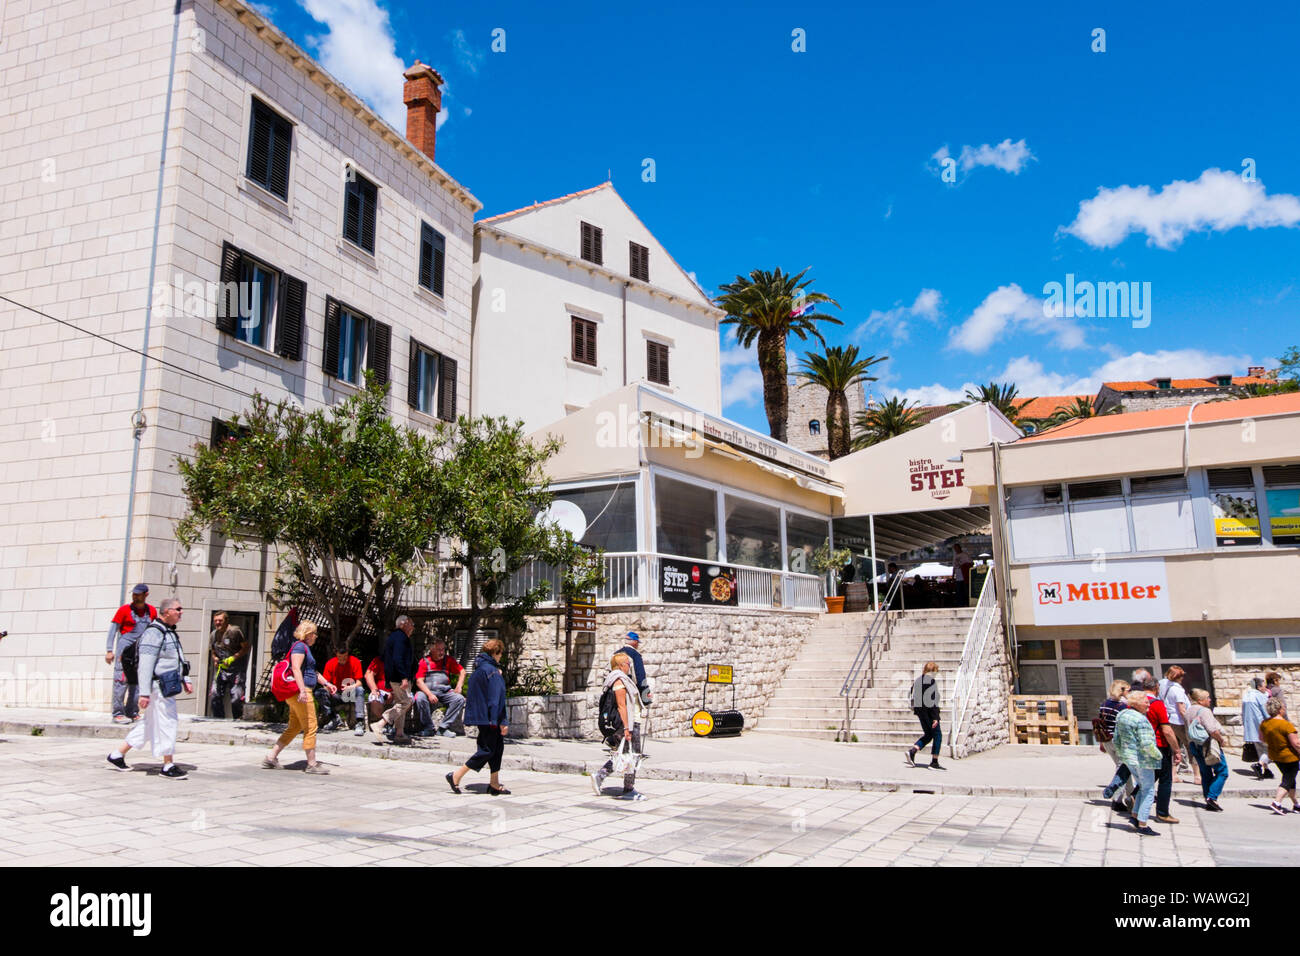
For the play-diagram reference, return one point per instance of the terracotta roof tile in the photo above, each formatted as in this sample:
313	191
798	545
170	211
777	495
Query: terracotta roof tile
1045	405
1230	410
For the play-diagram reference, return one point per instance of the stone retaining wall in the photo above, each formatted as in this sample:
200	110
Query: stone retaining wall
1230	680
552	715
987	723
677	643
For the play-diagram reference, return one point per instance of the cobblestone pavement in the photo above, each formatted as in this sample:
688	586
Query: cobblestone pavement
61	804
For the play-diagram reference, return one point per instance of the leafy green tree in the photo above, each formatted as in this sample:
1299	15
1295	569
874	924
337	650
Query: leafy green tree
1000	396
770	307
491	489
344	495
1286	376
837	370
884	421
1078	408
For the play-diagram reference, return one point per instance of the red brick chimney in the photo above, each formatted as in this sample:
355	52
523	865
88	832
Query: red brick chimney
423	98
1256	370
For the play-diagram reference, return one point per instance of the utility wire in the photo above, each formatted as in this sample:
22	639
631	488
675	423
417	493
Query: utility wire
128	348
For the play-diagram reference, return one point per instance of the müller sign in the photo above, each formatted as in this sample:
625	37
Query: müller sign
1119	592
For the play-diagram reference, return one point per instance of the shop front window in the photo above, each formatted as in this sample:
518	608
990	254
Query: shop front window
803	536
753	534
686	519
610	515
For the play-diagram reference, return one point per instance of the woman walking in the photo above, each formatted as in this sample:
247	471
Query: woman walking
302	708
1174	696
1135	742
1105	727
485	708
1203	732
628	702
1284	748
925	704
1253	751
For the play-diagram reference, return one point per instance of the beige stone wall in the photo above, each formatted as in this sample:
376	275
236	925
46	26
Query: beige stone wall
1230	680
809	403
677	643
987	723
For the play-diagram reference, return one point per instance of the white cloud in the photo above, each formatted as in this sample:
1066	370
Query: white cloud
1174	363
927	394
469	58
360	50
1214	202
896	320
1010	310
1007	156
742	383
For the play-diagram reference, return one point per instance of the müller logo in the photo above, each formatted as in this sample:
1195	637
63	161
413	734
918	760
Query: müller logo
1051	592
76	909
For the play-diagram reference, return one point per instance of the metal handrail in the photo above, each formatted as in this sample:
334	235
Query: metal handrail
864	651
981	624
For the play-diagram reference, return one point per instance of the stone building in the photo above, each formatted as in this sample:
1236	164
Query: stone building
353	247
1170	392
805	423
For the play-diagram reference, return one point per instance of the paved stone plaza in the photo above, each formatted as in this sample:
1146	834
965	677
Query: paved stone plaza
61	805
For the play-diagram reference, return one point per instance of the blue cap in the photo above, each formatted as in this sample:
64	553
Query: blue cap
140	589
633	636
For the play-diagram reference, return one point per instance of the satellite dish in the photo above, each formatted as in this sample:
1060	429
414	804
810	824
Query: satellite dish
567	516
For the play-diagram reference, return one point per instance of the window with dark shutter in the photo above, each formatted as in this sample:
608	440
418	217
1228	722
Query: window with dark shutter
447	389
433	255
592	238
360	202
584	341
288	323
656	360
379	354
221	432
638	261
413	375
270	140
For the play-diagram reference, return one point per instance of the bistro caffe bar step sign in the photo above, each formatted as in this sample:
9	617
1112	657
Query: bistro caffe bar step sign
698	582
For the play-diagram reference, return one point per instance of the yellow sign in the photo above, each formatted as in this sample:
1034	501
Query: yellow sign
702	723
719	674
1236	527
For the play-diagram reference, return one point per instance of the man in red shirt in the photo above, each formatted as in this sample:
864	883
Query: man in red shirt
378	686
434	679
1170	752
344	672
125	629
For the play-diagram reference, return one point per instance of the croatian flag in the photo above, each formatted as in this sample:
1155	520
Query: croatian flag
807	307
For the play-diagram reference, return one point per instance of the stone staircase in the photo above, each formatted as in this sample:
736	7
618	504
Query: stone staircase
808	702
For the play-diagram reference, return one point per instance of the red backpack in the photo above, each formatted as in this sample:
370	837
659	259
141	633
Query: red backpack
283	684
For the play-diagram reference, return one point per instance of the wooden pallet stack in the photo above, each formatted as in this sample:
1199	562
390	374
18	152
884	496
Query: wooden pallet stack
1043	719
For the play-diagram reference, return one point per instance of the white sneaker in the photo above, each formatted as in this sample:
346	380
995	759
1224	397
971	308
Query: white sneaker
631	795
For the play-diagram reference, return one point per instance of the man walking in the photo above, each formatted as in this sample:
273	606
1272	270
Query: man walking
228	649
161	660
433	678
127	625
399	670
1171	754
1253	702
633	650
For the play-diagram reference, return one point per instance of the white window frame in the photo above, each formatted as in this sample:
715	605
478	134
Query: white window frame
269	347
1277	658
364	322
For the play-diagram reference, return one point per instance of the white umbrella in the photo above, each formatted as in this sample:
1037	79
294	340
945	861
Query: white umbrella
929	570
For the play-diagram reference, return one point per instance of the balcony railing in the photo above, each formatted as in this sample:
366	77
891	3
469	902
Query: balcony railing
632	577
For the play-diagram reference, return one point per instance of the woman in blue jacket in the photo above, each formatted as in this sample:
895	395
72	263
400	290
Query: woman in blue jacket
485	708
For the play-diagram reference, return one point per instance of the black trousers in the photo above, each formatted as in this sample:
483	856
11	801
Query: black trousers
491	748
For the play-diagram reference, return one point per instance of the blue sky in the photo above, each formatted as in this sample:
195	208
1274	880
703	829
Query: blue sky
1117	166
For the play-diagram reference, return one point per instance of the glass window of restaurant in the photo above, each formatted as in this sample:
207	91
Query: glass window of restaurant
610	513
804	534
753	533
686	519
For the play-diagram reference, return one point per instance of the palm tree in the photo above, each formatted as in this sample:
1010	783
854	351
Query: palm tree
837	371
879	423
769	307
1081	407
1001	397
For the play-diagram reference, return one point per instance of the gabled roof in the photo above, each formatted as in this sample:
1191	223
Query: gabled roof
1229	410
549	202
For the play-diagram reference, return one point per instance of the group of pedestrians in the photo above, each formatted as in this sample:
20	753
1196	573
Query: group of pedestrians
1152	729
347	693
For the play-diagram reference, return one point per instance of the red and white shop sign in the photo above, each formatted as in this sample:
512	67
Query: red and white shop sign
1113	592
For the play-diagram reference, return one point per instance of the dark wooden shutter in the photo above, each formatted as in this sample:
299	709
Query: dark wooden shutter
369	193
439	261
584	341
447	389
426	255
330	360
260	134
352	208
638	262
228	294
656	360
288	324
413	375
281	145
591	244
379	354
